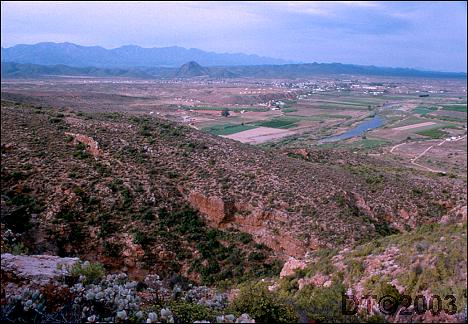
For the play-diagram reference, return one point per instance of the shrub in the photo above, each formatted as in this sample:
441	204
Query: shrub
322	304
19	219
140	238
264	306
245	238
80	151
112	249
17	249
186	312
257	256
386	289
92	272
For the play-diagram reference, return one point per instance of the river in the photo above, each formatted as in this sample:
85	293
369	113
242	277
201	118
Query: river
360	129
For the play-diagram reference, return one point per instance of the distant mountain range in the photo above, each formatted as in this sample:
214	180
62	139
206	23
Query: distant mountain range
125	56
194	70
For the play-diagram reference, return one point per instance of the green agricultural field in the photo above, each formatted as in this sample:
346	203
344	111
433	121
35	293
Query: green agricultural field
433	133
347	103
422	110
342	106
288	110
321	117
370	143
326	116
410	121
461	108
279	122
228	129
362	144
222	108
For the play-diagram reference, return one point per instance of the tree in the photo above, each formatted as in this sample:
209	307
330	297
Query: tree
225	113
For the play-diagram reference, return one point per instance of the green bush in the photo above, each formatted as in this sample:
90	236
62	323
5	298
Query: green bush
80	151
187	312
19	218
257	256
264	306
322	304
112	249
390	292
92	272
245	238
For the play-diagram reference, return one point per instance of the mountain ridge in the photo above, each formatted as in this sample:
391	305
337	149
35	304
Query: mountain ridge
193	69
49	53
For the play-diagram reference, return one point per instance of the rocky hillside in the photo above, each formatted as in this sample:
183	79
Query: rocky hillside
110	177
144	195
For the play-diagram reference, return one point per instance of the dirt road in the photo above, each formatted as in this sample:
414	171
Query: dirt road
413	160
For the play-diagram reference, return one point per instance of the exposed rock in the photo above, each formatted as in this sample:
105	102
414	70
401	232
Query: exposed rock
361	204
455	215
8	147
256	221
273	287
318	280
215	208
245	318
36	269
91	145
132	252
291	265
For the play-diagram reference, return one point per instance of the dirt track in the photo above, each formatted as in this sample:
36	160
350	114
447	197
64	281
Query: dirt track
417	157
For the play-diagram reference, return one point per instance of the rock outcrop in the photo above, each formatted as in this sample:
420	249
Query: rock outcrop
91	145
257	221
291	266
215	208
35	269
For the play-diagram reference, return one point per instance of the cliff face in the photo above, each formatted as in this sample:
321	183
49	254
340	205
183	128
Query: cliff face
255	221
218	212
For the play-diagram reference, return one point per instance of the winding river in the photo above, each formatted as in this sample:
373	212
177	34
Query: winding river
360	129
376	122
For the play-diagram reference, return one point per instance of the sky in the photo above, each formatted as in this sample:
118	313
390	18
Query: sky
424	35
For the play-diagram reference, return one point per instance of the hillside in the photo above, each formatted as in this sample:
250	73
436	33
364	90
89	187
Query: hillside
15	70
191	69
144	195
143	166
124	56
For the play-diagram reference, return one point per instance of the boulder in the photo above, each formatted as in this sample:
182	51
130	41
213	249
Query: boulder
291	266
35	269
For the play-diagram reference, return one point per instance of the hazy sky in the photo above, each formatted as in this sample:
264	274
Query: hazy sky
430	35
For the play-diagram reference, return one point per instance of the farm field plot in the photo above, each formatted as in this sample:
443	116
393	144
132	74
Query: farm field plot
449	115
228	129
433	133
418	130
423	110
280	122
458	107
260	135
412	126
